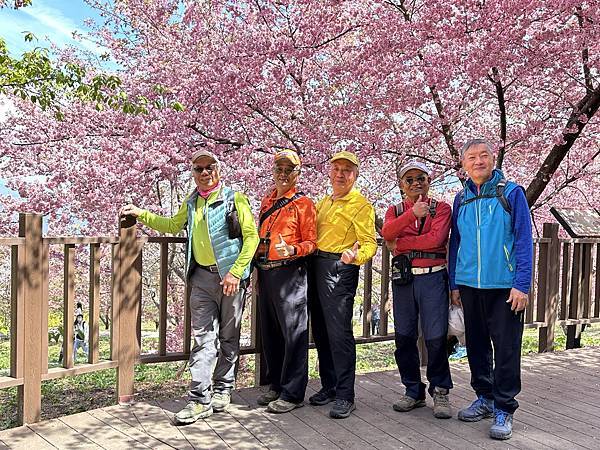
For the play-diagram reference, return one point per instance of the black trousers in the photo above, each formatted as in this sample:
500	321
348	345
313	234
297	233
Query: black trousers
284	328
332	287
493	336
425	298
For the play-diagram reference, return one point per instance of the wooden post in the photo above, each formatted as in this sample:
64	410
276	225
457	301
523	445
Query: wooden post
17	315
162	299
576	300
384	304
68	305
94	313
29	398
597	289
128	282
566	280
367	315
546	334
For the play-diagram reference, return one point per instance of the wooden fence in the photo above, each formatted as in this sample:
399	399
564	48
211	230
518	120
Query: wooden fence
565	291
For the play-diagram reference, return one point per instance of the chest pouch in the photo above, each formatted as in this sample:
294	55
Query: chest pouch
401	270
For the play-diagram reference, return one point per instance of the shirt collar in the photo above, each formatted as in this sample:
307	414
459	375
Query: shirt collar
289	194
349	196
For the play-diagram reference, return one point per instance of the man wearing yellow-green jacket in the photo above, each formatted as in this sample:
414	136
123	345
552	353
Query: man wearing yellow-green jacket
345	240
222	239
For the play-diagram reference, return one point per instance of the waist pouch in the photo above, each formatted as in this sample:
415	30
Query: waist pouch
402	270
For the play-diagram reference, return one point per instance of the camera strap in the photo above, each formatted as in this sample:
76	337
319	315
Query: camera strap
278	205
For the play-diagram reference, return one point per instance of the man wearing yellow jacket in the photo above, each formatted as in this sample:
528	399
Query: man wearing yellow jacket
222	239
345	240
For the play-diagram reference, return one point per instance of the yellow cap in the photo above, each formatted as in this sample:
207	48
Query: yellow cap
345	155
288	154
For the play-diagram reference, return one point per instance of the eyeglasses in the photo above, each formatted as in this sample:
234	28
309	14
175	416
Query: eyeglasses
200	169
420	179
285	170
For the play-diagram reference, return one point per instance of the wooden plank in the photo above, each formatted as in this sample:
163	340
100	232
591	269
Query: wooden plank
62	436
94	313
367	295
99	433
115	302
586	287
254	419
29	397
68	305
61	372
543	260
138	304
162	312
81	240
17	315
24	438
156	423
6	382
114	420
199	434
297	430
12	241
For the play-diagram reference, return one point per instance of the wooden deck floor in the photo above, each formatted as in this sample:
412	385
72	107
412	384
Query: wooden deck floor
560	409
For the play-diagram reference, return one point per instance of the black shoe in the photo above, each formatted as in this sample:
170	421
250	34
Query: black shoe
341	409
321	398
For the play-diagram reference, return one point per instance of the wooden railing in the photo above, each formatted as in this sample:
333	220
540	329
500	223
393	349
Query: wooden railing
565	291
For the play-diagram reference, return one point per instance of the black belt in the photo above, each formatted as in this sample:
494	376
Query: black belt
277	263
426	255
211	269
328	255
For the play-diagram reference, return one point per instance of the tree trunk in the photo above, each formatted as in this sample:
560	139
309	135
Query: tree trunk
586	107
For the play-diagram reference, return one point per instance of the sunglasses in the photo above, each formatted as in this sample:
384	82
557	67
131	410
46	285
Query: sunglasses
208	169
284	170
420	179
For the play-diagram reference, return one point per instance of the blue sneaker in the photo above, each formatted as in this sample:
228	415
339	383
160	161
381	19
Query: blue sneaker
502	427
479	409
460	351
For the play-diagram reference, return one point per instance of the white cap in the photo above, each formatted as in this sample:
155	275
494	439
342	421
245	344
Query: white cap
414	165
205	153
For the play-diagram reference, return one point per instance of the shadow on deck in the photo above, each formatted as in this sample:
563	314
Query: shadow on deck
560	409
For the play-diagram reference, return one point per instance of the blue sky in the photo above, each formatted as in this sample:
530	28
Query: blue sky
54	19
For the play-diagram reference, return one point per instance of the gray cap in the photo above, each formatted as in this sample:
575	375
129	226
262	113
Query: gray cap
205	153
414	165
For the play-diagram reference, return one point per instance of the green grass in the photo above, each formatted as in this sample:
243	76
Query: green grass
169	380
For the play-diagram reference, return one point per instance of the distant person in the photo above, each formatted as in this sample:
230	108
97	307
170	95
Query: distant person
490	267
80	336
375	318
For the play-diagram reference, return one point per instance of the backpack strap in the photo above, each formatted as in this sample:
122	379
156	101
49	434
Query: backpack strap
500	187
278	205
399	209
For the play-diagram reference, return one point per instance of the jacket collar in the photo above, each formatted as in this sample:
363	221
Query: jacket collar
489	187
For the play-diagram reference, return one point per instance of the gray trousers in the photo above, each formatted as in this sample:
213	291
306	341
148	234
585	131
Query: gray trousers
216	322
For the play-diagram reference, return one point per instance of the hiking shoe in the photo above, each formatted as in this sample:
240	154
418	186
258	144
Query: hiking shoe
267	397
502	427
192	412
341	409
281	406
407	403
441	404
220	401
479	409
321	398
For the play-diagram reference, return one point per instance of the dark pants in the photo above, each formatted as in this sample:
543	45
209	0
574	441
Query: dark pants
489	320
284	328
425	297
332	286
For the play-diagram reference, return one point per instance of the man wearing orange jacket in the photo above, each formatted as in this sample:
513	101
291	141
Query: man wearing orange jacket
288	233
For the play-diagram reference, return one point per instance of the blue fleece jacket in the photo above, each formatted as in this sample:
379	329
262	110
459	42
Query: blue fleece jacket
480	265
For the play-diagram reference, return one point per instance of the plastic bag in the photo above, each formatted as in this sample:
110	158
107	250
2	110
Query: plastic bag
456	322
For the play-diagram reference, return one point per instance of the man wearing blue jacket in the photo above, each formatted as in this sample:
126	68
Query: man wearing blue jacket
490	266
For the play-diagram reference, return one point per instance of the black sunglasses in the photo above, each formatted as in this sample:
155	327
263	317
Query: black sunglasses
420	179
200	169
